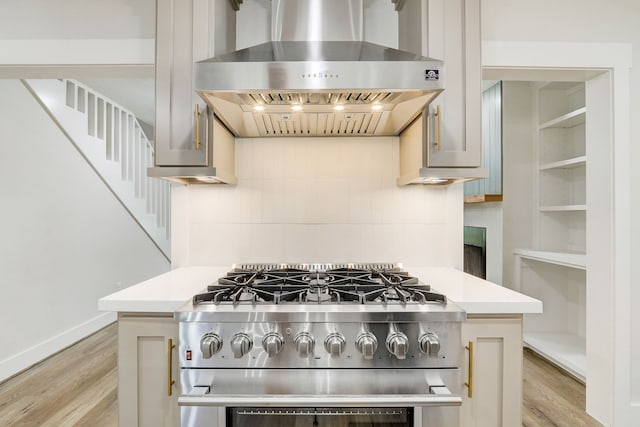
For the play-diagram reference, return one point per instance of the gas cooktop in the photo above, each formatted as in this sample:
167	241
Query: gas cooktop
318	284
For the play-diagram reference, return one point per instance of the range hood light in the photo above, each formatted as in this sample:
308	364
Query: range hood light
434	180
376	107
207	179
339	107
297	107
259	108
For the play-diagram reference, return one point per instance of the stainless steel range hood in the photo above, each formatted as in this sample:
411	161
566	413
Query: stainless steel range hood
318	78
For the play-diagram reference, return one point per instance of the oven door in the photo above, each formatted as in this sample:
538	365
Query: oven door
320	397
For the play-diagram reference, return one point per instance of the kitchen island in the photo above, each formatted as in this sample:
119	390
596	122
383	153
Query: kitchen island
492	336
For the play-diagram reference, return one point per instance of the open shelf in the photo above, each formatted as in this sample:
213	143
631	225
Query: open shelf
565	164
569	120
563	208
566	259
482	198
564	349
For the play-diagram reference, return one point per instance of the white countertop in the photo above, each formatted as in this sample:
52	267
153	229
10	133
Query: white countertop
164	293
475	295
169	291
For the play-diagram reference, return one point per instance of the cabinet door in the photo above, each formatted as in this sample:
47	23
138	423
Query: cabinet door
176	140
495	377
145	397
453	35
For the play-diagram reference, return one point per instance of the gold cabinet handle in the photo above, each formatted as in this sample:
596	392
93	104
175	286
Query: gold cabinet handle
170	381
438	128
469	383
197	120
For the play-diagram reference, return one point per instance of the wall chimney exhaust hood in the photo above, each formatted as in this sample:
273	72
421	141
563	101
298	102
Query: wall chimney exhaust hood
318	78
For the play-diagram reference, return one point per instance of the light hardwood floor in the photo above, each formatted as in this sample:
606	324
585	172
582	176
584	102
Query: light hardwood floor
77	387
551	397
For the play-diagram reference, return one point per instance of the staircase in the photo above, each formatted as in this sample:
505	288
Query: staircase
111	139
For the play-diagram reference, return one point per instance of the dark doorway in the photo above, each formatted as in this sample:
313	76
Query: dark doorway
475	251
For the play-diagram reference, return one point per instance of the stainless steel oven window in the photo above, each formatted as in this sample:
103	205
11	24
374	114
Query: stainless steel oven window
320	417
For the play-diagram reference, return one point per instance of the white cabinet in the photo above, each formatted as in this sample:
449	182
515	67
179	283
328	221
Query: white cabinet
492	372
148	371
449	30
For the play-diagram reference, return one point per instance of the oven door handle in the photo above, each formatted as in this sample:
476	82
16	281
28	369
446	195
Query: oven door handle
390	400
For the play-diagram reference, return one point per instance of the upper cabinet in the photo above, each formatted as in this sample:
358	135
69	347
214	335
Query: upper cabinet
449	30
444	144
180	113
190	144
453	34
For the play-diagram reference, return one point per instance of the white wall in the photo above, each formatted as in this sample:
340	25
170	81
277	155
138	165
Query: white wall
489	216
66	240
318	200
601	22
77	19
518	147
77	38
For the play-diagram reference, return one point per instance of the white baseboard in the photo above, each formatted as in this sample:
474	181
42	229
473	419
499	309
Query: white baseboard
32	355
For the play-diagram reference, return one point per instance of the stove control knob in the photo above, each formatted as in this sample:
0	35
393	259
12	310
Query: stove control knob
304	343
273	343
429	344
334	344
398	344
241	344
210	344
367	344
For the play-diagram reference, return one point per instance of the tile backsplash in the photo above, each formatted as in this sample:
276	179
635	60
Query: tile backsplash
317	200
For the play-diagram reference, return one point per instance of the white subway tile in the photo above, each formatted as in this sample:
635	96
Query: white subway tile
245	206
378	243
317	199
299	243
359	202
210	203
272	244
273	159
251	163
211	244
245	245
325	201
343	243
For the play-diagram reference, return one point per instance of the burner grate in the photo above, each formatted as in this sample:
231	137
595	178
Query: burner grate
344	284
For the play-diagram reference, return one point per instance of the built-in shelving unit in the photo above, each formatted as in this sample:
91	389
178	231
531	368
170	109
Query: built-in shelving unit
563	349
482	198
578	261
563	208
574	162
554	270
572	118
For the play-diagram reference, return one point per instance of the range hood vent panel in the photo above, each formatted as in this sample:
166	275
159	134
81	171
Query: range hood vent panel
317	124
318	78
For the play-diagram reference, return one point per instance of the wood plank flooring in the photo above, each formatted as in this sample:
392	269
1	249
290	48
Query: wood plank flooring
551	397
78	387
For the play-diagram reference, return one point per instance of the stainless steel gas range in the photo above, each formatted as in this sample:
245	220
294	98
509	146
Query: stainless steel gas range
320	345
